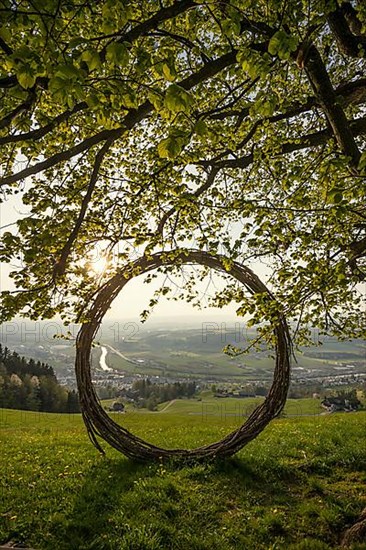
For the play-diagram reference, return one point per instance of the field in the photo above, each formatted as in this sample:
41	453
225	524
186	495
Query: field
198	352
237	408
297	486
178	351
233	408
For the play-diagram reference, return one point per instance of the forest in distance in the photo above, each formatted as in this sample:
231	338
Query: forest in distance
32	385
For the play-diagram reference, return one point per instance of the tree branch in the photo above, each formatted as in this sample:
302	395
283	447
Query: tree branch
351	93
141	29
208	183
327	99
358	127
63	156
162	15
7	119
60	266
4	46
131	119
44	130
348	43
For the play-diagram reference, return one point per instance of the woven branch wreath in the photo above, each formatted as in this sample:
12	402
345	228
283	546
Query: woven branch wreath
99	423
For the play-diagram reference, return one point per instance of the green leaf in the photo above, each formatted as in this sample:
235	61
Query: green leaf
129	98
77	41
282	44
178	100
5	34
59	88
157	70
231	27
143	60
276	42
93	101
117	54
265	105
56	83
91	58
169	71
23	52
156	99
338	197
68	72
26	76
172	146
169	148
362	162
254	63
200	128
115	14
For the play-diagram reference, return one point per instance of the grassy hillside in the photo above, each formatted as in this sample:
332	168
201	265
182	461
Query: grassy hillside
297	486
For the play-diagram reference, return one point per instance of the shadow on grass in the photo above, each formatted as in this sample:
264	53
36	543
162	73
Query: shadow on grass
98	500
129	506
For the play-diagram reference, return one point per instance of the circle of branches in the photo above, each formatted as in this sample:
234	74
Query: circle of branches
100	424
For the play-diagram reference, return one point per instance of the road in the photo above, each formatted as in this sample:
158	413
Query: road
167	406
117	352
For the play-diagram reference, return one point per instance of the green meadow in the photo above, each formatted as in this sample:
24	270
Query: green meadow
206	405
236	407
298	486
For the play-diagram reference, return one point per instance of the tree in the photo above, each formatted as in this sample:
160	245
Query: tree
72	402
235	126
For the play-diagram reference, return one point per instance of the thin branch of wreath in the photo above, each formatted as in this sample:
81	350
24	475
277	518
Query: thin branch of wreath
100	425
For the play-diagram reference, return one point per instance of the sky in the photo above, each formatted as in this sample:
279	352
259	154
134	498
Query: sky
135	296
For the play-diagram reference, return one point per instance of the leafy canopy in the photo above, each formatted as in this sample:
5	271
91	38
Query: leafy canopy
233	126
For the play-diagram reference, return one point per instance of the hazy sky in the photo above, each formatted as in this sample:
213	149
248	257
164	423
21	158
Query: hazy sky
135	297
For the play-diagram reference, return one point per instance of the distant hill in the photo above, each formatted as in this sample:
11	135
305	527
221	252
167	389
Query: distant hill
178	350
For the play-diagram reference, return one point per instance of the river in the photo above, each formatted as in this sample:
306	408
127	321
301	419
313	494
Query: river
102	361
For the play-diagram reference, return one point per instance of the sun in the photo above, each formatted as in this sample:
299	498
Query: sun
98	266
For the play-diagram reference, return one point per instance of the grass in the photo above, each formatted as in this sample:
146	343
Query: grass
297	486
234	408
